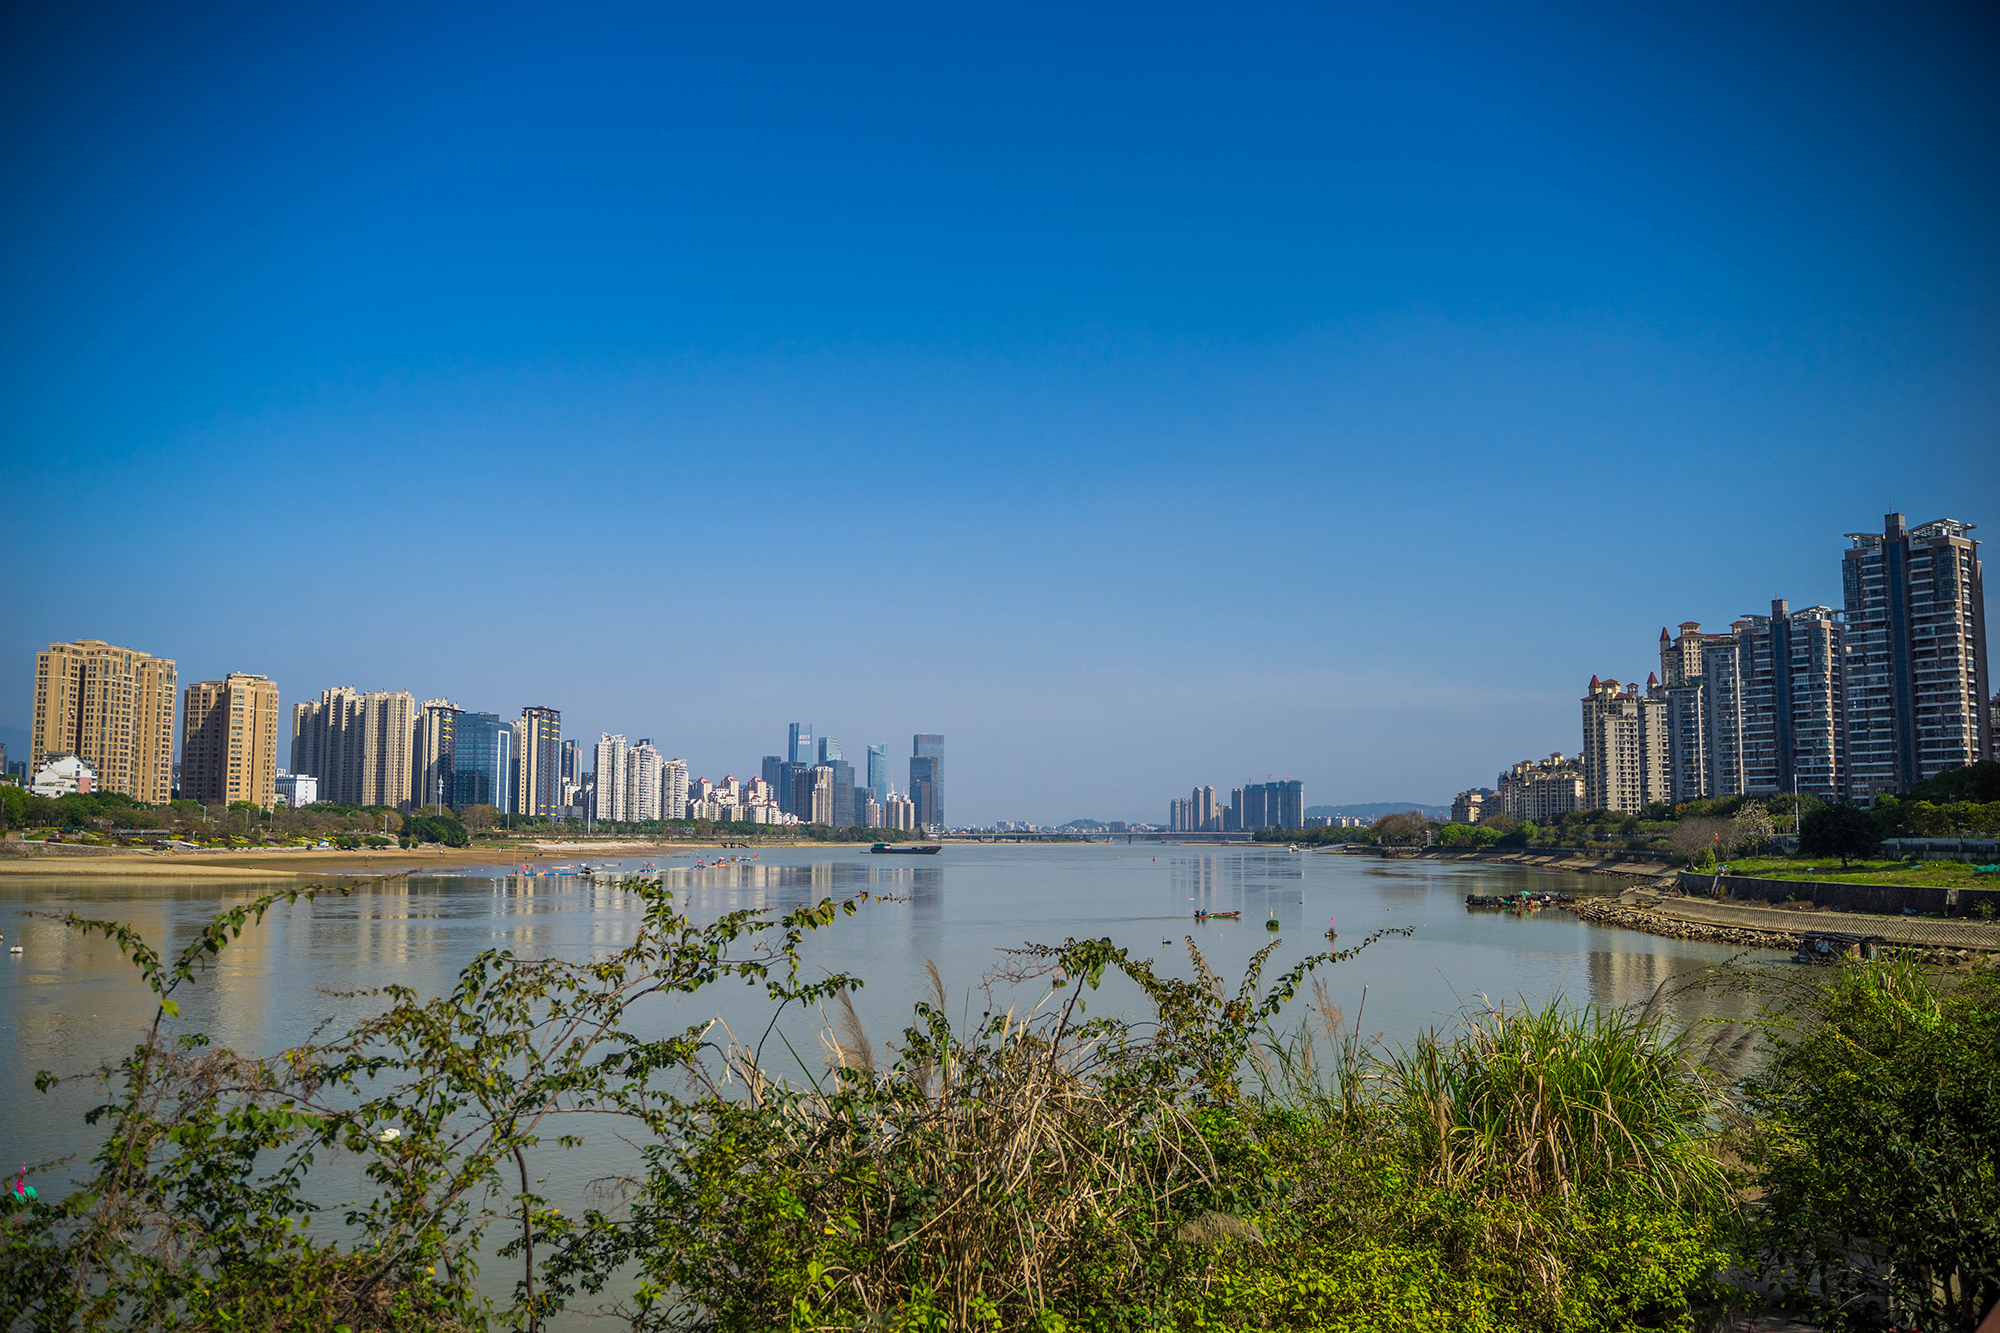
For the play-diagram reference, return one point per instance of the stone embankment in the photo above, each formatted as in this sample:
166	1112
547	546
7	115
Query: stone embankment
1628	865
1635	912
1747	927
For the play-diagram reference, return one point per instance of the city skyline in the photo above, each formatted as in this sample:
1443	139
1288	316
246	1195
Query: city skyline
1060	325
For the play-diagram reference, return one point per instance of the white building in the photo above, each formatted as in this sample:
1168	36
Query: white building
900	812
674	789
643	781
297	789
64	775
612	800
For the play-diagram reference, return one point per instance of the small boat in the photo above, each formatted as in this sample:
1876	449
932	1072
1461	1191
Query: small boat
896	849
1217	916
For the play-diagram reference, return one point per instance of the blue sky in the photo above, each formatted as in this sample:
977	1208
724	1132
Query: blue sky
1142	397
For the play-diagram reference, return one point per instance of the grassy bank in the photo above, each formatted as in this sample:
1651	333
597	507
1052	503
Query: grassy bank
1233	1160
1944	874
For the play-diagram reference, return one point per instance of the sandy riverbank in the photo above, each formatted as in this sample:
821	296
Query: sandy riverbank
309	862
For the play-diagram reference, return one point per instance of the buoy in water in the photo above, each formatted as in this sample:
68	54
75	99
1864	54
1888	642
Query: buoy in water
1272	924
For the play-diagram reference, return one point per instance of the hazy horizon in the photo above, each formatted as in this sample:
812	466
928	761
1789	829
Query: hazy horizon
1141	400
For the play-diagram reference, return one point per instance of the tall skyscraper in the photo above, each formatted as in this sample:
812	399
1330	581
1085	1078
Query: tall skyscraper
878	773
111	707
361	747
613	797
799	744
229	741
927	778
436	730
812	793
843	791
1916	675
538	754
777	771
1624	747
829	749
482	757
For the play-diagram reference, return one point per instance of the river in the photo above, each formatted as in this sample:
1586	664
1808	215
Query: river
69	1001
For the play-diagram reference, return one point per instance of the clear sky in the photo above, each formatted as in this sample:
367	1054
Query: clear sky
1140	396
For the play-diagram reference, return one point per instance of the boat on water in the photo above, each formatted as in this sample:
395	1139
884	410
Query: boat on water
1217	916
898	849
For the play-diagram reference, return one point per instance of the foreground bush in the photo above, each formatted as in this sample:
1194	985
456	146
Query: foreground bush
1877	1132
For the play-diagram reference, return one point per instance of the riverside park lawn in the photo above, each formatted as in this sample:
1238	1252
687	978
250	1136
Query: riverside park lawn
1938	874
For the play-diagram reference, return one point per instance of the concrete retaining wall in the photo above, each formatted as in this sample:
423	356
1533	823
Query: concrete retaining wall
1887	899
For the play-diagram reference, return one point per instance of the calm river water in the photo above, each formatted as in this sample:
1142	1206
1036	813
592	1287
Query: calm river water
68	1002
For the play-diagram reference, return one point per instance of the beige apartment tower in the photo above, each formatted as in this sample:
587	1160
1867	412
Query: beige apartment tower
229	741
1624	747
111	707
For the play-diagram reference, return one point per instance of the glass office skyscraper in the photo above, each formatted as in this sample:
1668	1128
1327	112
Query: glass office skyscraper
482	762
878	773
799	745
927	778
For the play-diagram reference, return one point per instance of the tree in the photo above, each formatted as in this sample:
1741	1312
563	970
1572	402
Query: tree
1400	828
1692	837
479	818
1844	830
1750	830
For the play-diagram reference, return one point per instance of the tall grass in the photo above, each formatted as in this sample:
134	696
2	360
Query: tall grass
1547	1103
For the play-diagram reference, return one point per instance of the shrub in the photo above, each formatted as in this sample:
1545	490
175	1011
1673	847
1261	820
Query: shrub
1878	1128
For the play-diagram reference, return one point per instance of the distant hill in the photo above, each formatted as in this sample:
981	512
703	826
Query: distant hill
1374	810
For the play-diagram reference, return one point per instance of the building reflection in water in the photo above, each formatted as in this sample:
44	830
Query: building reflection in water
1254	882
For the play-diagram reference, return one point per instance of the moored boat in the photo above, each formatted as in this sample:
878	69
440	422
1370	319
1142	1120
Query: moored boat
898	849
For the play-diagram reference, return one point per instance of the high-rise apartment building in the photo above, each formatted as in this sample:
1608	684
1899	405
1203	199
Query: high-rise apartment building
326	743
1682	667
361	747
1916	676
1759	710
575	769
436	730
111	707
229	741
899	812
644	771
614	801
1624	747
538	762
482	762
878	773
799	744
927	778
674	789
1274	803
